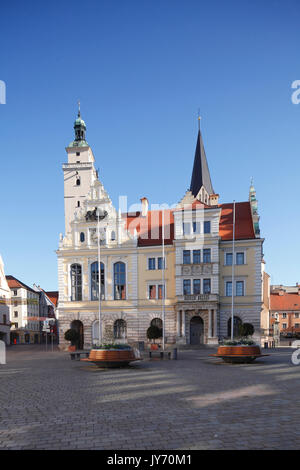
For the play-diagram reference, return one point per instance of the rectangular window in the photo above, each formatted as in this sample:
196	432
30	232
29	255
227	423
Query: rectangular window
186	227
284	326
196	286
239	288
206	255
16	314
206	286
160	263
4	319
186	287
160	291
152	292
15	292
296	325
207	226
186	257
151	263
196	257
296	315
240	258
196	227
284	315
17	325
228	289
228	259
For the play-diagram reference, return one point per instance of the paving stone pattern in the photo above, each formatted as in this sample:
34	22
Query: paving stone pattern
48	401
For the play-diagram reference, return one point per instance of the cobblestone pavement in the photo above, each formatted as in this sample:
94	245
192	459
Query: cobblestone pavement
48	401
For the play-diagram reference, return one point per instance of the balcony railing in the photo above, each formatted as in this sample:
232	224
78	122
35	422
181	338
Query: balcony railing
199	298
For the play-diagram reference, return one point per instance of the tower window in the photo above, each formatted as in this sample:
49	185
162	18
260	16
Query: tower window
82	238
78	203
78	181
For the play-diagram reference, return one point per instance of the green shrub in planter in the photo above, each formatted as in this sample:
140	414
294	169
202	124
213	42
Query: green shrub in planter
154	332
113	346
246	329
72	335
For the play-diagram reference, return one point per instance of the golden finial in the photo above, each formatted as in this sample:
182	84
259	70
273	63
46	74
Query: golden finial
199	119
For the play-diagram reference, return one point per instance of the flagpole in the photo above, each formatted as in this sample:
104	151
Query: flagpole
232	277
99	279
163	274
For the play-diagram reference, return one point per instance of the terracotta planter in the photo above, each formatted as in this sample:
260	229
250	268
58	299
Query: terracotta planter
72	348
239	353
239	350
154	347
111	357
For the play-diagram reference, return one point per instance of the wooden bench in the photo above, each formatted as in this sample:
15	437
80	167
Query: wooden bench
161	354
75	355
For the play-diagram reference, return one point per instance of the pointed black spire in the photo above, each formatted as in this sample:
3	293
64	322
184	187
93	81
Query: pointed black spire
200	176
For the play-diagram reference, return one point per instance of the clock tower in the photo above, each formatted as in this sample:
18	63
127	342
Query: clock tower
79	172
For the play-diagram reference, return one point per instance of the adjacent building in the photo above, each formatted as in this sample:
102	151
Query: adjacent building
285	308
170	267
24	312
4	306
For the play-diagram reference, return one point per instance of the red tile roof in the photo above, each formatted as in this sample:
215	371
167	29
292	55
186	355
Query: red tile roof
13	283
149	228
243	221
284	302
53	296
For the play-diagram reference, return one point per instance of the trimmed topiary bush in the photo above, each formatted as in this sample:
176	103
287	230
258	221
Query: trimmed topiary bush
246	329
154	332
72	335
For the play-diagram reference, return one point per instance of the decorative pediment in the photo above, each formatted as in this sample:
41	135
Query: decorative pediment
188	198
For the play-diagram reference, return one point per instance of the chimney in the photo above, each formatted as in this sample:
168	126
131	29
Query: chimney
213	199
145	205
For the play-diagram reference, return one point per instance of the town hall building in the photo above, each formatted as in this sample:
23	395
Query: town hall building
167	267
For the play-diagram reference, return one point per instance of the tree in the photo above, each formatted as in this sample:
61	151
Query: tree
72	335
154	332
246	329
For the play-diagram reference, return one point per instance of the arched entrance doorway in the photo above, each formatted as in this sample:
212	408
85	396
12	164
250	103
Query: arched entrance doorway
237	322
196	331
78	326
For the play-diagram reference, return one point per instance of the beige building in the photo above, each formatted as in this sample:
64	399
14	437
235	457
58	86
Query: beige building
191	298
4	306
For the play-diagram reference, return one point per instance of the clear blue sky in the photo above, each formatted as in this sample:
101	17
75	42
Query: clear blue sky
141	70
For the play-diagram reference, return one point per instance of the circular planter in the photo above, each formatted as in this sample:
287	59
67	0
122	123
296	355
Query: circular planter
239	353
111	357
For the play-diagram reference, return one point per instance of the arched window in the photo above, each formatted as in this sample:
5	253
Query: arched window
82	237
113	236
95	281
157	322
78	181
119	281
76	282
120	329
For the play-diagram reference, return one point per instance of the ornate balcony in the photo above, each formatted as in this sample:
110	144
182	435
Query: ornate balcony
198	298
